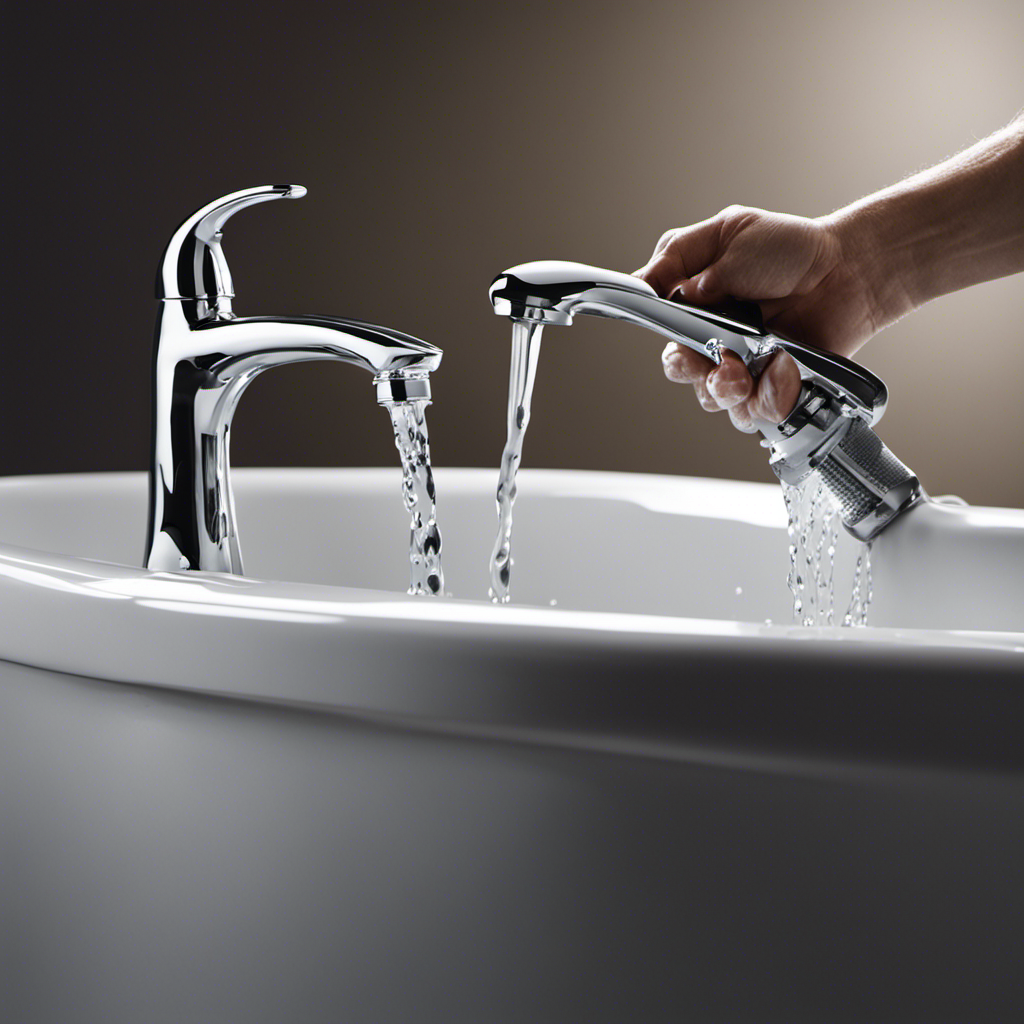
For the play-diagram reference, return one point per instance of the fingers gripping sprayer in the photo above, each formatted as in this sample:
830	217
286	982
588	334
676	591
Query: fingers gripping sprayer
828	431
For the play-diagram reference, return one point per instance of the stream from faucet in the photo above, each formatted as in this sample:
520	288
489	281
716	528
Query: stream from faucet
410	426
813	530
863	590
522	374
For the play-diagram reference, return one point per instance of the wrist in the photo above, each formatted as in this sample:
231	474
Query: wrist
951	226
882	268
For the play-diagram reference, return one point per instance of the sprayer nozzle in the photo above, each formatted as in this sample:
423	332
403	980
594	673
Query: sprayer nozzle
870	484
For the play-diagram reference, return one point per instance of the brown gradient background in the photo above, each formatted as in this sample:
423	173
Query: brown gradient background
442	143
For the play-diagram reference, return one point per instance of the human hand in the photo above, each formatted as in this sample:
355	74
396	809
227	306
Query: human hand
794	268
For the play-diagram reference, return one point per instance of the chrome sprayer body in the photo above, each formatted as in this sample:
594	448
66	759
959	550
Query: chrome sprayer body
828	431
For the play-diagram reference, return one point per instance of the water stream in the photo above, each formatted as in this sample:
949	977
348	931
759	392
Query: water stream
813	535
522	373
860	600
410	426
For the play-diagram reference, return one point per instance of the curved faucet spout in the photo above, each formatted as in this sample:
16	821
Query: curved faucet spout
243	344
204	359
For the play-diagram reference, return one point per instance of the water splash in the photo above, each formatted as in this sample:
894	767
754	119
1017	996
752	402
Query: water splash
522	373
813	537
410	425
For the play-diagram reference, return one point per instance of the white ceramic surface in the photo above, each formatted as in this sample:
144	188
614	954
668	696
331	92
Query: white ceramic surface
631	560
303	795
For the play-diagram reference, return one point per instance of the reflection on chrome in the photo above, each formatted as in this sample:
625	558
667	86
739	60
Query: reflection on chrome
205	356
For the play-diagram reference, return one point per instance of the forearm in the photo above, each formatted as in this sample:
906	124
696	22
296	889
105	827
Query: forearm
956	224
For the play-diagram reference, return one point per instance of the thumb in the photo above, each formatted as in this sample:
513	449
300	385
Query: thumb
689	251
713	284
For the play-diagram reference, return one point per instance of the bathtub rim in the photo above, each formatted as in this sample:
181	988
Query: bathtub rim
622	682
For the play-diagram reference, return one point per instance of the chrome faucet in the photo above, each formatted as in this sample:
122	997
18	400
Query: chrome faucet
204	358
829	429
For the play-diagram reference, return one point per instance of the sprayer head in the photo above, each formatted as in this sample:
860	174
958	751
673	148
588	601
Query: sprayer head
546	291
869	484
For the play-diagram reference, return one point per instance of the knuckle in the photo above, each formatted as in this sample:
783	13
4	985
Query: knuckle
736	215
667	238
708	404
741	419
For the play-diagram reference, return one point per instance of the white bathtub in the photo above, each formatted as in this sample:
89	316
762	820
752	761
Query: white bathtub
242	799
